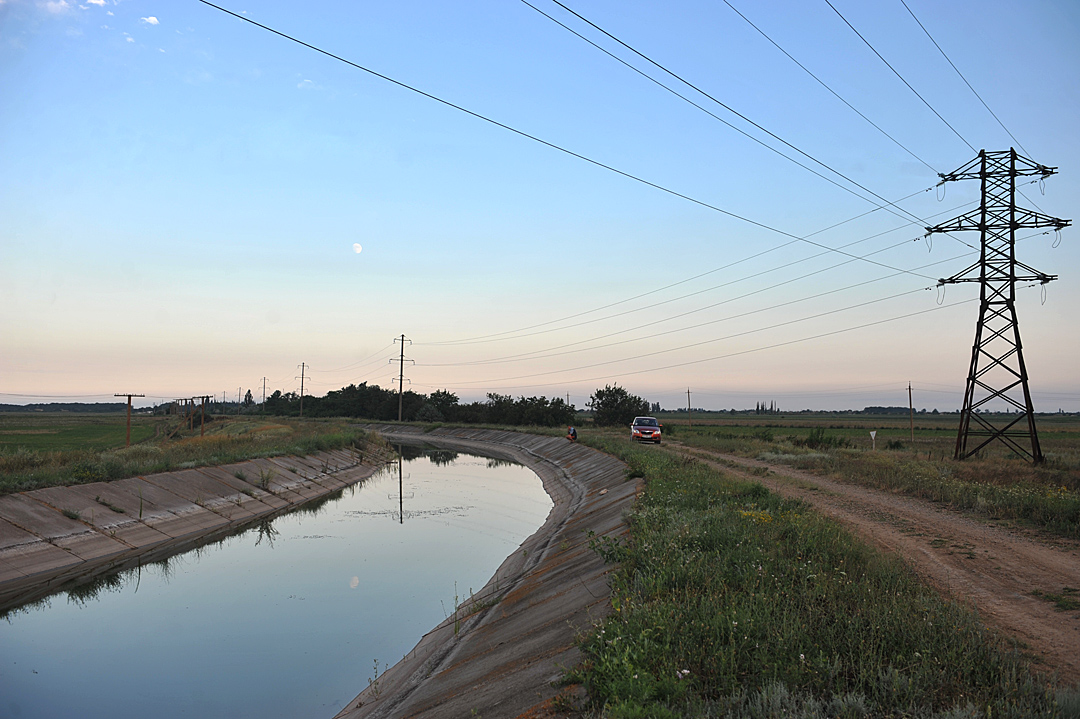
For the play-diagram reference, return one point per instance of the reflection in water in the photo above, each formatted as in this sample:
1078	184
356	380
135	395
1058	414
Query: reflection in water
266	531
340	587
442	457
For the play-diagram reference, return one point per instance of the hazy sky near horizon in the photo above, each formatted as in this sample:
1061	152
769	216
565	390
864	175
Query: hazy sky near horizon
182	195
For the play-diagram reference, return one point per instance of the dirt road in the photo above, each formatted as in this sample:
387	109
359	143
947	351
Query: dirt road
997	570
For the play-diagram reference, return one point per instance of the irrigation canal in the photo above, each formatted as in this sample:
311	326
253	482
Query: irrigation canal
285	619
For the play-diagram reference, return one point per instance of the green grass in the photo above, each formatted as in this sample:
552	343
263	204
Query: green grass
63	432
225	441
997	487
732	602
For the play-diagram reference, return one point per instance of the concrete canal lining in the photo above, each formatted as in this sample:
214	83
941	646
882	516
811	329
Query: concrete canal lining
496	656
500	652
50	537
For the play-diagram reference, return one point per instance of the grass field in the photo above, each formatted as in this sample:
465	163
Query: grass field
39	450
49	432
732	602
997	484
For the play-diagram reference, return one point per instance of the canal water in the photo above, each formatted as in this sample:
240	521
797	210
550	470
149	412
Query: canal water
286	619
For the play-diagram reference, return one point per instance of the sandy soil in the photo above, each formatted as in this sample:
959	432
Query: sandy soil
994	568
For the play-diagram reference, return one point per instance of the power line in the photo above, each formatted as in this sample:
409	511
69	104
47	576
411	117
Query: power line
726	107
834	93
497	335
899	75
534	138
954	67
707	112
549	352
525	333
709	341
755	349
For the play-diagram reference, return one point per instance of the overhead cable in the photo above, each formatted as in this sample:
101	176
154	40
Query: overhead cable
834	93
954	67
550	351
735	112
708	112
747	351
526	135
708	341
900	76
526	331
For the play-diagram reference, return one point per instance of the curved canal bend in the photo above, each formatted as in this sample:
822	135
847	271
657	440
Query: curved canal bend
430	678
501	654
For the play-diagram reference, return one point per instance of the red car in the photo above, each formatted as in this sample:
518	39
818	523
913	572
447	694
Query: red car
645	429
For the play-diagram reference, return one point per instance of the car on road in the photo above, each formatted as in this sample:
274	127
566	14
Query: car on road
645	429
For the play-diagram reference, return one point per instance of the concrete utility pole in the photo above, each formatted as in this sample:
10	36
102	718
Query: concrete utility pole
127	443
401	375
264	390
689	419
303	367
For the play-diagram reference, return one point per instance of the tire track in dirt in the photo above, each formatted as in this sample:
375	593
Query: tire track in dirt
994	569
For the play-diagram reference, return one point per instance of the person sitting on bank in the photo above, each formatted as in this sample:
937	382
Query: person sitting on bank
571	434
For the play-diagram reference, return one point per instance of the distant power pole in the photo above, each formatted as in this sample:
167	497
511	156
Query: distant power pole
401	376
264	390
127	443
302	369
997	370
689	419
911	412
238	391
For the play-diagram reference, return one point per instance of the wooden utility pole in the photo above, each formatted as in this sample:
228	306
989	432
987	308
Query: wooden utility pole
911	412
202	417
689	419
127	443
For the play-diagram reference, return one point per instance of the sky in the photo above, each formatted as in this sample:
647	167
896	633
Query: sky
192	204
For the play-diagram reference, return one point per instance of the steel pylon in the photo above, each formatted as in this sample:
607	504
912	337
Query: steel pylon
997	370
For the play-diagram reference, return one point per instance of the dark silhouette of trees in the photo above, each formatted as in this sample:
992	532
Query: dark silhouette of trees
613	406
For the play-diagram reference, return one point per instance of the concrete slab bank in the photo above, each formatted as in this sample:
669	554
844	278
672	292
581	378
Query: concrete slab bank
51	536
497	655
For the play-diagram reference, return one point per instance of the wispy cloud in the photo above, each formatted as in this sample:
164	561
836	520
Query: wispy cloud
56	7
149	20
99	3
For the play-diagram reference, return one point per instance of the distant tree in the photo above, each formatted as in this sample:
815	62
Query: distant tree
613	405
248	399
655	407
443	401
429	413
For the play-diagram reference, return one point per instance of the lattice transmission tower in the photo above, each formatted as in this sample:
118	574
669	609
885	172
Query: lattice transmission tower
997	368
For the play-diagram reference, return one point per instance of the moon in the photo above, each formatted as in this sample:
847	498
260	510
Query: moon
356	247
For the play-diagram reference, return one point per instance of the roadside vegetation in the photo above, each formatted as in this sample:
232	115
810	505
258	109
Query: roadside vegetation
36	459
997	486
732	602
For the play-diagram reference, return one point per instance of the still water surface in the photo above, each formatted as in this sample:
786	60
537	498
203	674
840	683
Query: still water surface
284	620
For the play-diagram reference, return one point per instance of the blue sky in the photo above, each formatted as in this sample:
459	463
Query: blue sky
181	193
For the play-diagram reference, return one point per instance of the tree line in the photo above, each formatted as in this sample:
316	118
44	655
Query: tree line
611	405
